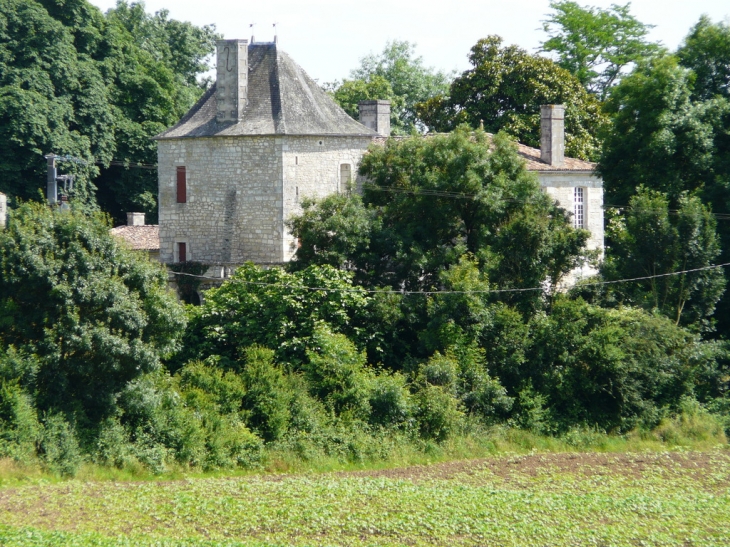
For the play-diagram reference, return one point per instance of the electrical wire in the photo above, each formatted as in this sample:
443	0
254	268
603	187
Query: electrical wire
486	291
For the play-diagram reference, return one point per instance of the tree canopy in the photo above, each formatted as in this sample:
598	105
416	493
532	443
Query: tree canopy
503	91
96	315
395	74
429	201
594	44
76	82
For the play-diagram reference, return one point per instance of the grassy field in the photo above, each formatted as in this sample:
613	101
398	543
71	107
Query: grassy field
662	498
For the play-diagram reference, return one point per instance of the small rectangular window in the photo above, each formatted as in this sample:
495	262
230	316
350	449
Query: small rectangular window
345	176
182	185
579	207
182	252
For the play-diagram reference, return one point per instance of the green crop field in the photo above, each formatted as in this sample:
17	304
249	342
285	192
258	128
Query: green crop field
669	498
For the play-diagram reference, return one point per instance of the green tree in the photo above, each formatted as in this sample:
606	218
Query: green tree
611	369
53	98
276	310
706	51
662	139
74	81
652	241
95	314
350	93
503	91
408	82
594	44
431	200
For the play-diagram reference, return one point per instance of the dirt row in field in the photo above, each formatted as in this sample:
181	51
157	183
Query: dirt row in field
698	464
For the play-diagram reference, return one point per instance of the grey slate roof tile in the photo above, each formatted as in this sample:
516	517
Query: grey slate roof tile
283	100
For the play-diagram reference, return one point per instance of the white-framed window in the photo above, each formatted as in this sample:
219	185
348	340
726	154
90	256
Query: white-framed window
579	207
345	176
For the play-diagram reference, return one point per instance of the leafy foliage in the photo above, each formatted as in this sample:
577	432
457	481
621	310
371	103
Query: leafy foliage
396	74
96	87
431	200
95	315
503	91
596	45
650	241
276	310
706	51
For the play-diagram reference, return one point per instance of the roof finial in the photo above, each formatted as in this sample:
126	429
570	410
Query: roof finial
276	36
251	26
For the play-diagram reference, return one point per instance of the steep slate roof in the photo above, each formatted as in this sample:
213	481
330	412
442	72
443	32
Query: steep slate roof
282	100
139	238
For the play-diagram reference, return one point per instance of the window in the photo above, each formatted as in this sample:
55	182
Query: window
345	176
182	185
182	252
579	208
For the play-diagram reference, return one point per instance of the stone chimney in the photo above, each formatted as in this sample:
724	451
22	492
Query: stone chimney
135	219
231	79
552	134
376	116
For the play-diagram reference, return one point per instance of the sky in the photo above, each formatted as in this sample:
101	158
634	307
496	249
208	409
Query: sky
329	37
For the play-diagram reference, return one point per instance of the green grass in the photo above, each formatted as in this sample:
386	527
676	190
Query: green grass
665	498
669	486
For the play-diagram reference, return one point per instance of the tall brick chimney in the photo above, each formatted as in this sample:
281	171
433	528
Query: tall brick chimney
231	79
376	116
552	134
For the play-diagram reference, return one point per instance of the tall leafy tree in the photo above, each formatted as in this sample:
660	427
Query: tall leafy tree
662	139
76	82
410	82
670	131
503	91
706	50
596	45
53	98
432	200
654	240
95	314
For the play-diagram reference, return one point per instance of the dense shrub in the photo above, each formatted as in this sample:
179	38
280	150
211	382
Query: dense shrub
614	369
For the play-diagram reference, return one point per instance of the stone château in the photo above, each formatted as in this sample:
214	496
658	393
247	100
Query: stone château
265	135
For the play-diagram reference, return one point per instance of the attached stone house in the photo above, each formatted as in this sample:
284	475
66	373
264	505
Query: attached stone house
238	164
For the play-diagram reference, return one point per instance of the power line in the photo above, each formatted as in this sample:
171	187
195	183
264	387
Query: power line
486	291
121	163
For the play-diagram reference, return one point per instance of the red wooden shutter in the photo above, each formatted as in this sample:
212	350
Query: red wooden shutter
182	185
182	252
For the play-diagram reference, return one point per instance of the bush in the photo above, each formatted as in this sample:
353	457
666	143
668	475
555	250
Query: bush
391	403
267	398
59	448
337	374
438	412
20	431
612	369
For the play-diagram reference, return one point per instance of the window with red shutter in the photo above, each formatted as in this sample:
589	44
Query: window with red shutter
182	252
182	185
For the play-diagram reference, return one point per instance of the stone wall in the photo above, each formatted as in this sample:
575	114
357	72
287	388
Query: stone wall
240	190
234	200
313	169
560	185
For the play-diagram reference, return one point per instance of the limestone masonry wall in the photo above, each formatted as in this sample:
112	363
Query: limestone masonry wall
234	199
240	190
313	169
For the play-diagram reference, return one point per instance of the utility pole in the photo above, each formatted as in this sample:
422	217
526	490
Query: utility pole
52	184
54	178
